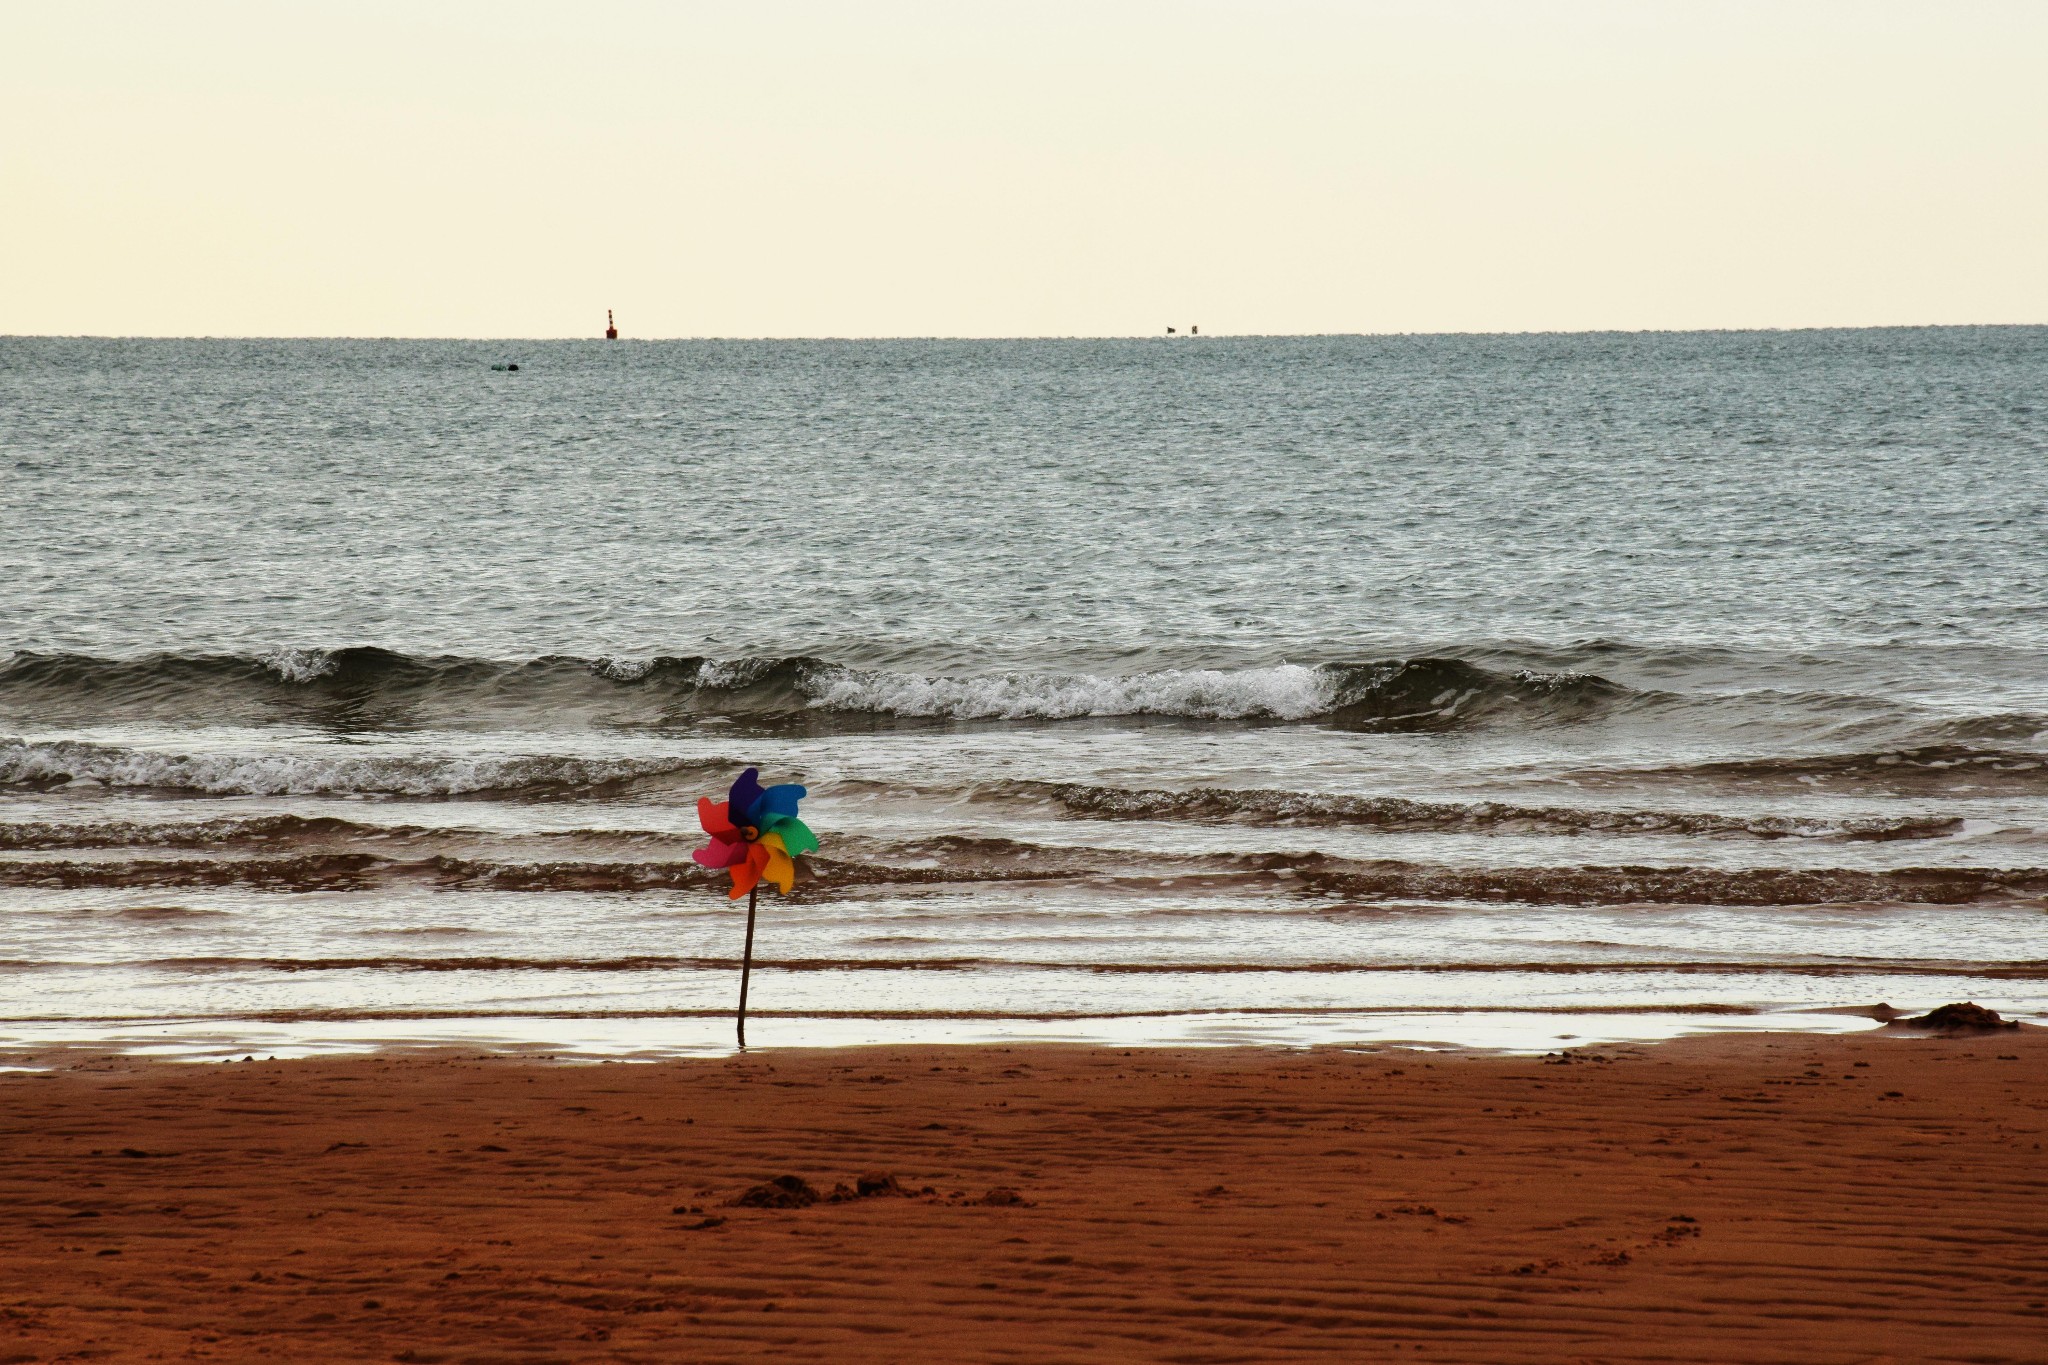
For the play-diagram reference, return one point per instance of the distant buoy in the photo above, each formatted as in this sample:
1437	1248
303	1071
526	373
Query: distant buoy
1169	331
611	329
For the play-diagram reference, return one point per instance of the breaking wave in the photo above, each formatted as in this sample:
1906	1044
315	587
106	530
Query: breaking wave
371	688
25	763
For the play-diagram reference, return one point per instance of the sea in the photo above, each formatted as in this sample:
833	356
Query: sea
1515	692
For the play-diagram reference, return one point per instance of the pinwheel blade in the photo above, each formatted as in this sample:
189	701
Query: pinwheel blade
780	871
711	815
796	835
746	794
778	800
721	853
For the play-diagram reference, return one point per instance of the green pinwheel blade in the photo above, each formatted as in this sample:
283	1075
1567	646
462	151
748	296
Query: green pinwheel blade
796	835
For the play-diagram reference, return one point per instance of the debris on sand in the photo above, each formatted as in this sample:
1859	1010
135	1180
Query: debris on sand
1959	1016
783	1192
794	1192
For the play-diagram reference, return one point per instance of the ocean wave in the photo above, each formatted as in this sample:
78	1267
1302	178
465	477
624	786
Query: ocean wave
57	763
1282	877
371	688
1996	970
339	871
1684	885
818	874
262	831
372	1014
1281	692
1399	814
300	872
1441	694
2002	727
157	914
1927	769
272	832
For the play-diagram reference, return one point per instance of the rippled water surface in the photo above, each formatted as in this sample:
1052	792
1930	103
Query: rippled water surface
1463	689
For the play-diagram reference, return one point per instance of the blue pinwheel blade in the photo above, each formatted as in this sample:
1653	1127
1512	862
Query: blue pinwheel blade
779	800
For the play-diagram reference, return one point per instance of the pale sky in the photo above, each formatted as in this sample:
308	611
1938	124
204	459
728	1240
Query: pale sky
901	168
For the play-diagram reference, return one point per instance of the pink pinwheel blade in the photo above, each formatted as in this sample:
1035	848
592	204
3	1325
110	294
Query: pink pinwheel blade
719	854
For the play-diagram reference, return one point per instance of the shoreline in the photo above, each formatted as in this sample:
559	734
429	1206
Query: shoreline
656	1036
1768	1196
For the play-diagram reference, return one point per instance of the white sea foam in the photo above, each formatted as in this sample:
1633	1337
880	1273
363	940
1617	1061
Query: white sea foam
24	762
617	669
1283	692
299	665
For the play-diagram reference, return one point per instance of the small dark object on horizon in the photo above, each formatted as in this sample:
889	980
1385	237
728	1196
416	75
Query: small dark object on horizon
1965	1015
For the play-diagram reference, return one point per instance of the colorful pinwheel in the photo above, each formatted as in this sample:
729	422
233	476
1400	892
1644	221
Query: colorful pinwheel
755	834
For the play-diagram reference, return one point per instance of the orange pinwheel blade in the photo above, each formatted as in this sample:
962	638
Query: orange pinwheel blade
747	875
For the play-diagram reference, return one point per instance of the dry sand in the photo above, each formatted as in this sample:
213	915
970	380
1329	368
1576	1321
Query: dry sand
1756	1199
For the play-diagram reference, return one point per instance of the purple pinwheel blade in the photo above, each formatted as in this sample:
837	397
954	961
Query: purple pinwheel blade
739	806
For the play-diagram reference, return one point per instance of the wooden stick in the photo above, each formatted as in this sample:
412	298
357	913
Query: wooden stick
747	963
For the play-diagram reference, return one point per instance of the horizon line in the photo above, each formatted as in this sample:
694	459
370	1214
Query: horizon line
1045	336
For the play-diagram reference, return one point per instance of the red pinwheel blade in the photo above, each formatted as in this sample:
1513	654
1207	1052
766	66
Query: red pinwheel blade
712	816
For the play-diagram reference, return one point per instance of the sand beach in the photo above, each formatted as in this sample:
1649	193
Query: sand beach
1774	1197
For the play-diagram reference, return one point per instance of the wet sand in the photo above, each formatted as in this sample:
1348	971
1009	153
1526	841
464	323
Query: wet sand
1772	1198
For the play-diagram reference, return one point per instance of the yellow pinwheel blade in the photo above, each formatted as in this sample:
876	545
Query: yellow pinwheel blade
781	870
